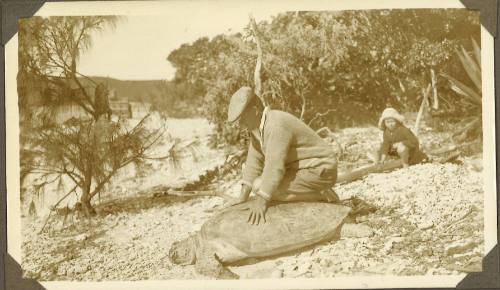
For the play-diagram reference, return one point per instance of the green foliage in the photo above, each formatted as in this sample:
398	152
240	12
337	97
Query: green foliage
88	153
176	99
335	69
49	50
470	89
87	150
473	69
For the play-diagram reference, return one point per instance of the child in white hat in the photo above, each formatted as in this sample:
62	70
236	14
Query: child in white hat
398	140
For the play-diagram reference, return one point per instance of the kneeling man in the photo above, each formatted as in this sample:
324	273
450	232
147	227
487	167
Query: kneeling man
287	161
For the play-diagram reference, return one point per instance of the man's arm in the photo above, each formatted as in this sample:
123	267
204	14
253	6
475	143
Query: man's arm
278	139
254	162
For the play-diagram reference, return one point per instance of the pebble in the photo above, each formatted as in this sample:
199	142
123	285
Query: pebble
427	252
81	237
425	225
390	243
61	271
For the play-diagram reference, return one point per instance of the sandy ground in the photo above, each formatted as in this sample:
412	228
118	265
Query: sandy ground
430	221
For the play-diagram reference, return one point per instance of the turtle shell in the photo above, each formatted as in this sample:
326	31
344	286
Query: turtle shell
288	227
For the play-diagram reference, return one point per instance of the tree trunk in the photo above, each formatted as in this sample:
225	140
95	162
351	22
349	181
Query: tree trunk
421	111
86	195
435	103
258	64
441	156
86	205
363	171
303	108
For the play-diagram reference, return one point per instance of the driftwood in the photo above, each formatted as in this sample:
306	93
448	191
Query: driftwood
450	148
195	193
167	190
443	155
363	171
435	103
440	156
421	111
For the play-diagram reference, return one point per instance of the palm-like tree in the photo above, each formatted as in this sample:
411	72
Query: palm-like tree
50	49
471	63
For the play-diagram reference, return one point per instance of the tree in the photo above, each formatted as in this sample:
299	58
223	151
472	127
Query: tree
87	151
470	89
49	50
334	69
176	99
76	151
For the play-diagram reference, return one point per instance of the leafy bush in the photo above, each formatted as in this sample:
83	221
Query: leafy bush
470	89
335	69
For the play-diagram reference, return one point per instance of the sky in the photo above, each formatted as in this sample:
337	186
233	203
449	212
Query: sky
138	47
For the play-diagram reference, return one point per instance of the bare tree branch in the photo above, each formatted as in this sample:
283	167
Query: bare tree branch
425	94
319	115
55	206
258	65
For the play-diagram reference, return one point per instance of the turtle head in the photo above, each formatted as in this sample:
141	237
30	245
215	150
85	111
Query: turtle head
183	252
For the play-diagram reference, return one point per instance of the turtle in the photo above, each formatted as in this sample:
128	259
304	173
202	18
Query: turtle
228	239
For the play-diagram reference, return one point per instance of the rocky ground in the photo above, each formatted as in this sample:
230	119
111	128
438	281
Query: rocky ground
429	221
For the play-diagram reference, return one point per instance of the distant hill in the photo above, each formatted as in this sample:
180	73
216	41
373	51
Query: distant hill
180	101
131	90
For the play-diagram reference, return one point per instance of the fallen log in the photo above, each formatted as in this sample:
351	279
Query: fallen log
363	171
443	155
161	190
195	193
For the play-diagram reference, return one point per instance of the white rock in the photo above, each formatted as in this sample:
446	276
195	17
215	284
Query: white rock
460	247
390	243
425	225
278	273
81	237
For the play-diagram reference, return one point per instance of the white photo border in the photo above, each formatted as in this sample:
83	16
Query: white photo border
165	7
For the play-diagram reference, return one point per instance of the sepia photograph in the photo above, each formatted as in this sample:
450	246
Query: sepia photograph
252	142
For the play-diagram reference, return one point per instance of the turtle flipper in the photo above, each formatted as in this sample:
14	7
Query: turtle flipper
208	264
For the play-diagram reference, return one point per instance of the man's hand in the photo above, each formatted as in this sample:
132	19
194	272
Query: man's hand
258	208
